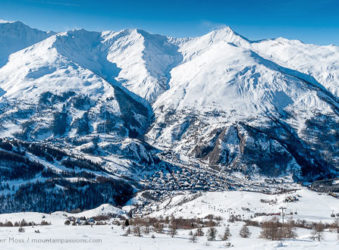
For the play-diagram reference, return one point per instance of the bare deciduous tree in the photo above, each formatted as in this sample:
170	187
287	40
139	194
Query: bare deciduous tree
173	231
270	230
137	231
193	238
146	230
317	231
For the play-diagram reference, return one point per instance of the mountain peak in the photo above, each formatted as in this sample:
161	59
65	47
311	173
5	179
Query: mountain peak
225	28
16	24
147	72
16	36
226	34
6	21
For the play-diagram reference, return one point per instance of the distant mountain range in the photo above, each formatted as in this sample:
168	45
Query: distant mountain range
88	118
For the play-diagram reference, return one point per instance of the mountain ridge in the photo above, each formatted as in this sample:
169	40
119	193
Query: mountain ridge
16	36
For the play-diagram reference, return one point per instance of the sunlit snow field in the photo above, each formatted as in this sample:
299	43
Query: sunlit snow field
311	206
112	239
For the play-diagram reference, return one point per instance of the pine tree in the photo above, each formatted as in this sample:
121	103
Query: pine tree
199	232
244	232
211	234
227	233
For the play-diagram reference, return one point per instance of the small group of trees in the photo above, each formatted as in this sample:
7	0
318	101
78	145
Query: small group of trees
23	223
273	230
137	231
198	233
172	230
178	222
317	231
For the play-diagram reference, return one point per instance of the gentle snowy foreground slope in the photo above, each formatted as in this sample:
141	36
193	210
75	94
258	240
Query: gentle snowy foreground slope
112	239
222	204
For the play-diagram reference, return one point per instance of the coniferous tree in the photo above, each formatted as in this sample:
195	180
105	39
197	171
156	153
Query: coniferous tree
244	232
227	233
211	234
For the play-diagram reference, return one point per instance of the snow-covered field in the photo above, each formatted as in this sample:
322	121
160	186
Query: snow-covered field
104	237
310	206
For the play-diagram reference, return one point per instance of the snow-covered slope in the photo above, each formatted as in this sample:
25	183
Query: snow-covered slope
67	70
15	36
144	60
248	204
320	62
225	77
61	91
227	102
103	232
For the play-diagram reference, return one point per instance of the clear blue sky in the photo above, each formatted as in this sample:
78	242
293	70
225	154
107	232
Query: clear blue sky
312	21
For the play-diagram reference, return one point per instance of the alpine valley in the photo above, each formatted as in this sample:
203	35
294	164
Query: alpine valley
133	118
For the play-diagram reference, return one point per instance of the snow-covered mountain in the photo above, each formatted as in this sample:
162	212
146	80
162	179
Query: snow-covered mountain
85	111
15	36
230	107
145	61
319	62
